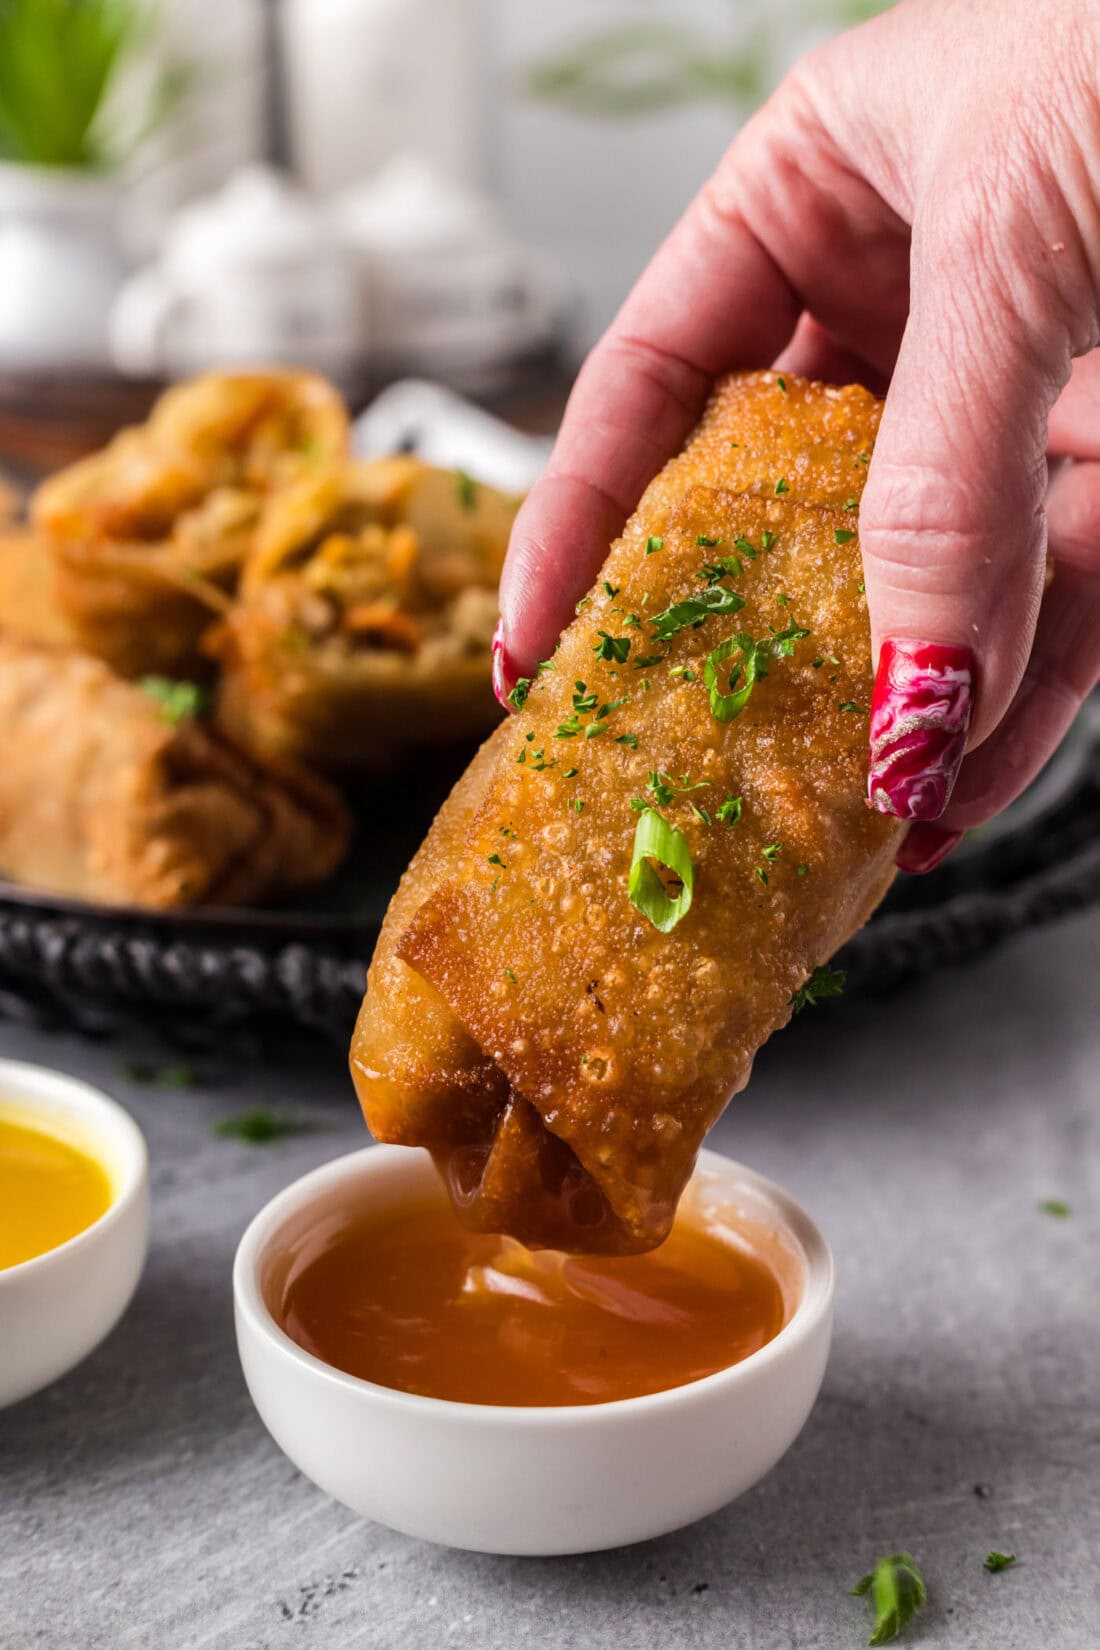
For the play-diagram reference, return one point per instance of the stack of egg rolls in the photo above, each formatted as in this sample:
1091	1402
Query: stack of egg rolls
147	536
120	794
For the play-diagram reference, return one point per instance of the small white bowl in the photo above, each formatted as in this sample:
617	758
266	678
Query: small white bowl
56	1308
535	1481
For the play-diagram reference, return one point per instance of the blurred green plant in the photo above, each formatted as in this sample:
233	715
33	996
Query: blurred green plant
60	61
630	69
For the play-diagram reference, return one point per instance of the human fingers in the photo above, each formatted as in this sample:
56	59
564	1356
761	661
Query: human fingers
1063	669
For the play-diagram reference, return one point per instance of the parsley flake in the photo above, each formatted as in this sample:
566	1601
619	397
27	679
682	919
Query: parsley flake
782	485
823	982
844	535
1056	1207
178	701
518	696
725	567
615	649
998	1561
466	488
730	811
652	545
260	1125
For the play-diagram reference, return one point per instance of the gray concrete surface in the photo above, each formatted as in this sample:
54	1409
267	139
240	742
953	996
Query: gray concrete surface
142	1503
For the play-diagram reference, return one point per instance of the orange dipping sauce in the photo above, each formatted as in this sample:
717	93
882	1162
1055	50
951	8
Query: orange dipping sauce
409	1299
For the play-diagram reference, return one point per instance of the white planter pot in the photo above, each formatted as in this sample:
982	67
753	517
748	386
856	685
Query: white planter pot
60	268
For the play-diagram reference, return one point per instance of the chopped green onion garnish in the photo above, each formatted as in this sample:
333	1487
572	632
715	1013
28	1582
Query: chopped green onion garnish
755	657
691	612
657	843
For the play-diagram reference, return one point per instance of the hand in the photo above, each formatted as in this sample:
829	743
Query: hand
918	207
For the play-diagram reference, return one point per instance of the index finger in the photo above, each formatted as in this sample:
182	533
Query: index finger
712	299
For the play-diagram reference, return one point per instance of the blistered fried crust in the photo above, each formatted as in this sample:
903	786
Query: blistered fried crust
149	534
103	799
625	1041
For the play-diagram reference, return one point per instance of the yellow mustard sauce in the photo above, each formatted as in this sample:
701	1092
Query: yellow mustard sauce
49	1190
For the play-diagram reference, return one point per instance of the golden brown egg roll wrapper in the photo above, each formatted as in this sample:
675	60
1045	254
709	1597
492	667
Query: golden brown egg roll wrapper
148	535
412	552
103	799
28	604
515	981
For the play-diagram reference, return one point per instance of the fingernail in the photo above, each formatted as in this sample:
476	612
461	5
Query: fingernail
504	677
924	847
920	712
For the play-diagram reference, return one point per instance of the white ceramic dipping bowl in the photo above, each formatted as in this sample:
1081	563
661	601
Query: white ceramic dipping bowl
533	1481
56	1308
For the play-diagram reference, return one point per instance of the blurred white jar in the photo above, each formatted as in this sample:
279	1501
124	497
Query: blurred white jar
60	268
255	273
449	289
367	79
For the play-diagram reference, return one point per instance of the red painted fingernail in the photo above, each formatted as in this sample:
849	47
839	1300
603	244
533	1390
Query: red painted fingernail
924	847
920	712
504	676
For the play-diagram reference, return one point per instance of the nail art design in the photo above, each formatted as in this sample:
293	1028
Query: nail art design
502	686
924	847
920	713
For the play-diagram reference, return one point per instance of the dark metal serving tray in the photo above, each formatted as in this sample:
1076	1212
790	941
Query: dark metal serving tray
198	975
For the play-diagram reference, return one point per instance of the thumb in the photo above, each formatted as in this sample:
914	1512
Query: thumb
952	527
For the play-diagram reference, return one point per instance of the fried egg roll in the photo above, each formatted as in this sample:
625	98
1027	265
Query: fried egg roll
119	794
642	869
149	535
366	615
28	607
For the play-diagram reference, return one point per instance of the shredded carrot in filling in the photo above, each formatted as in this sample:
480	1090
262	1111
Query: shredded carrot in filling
383	625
